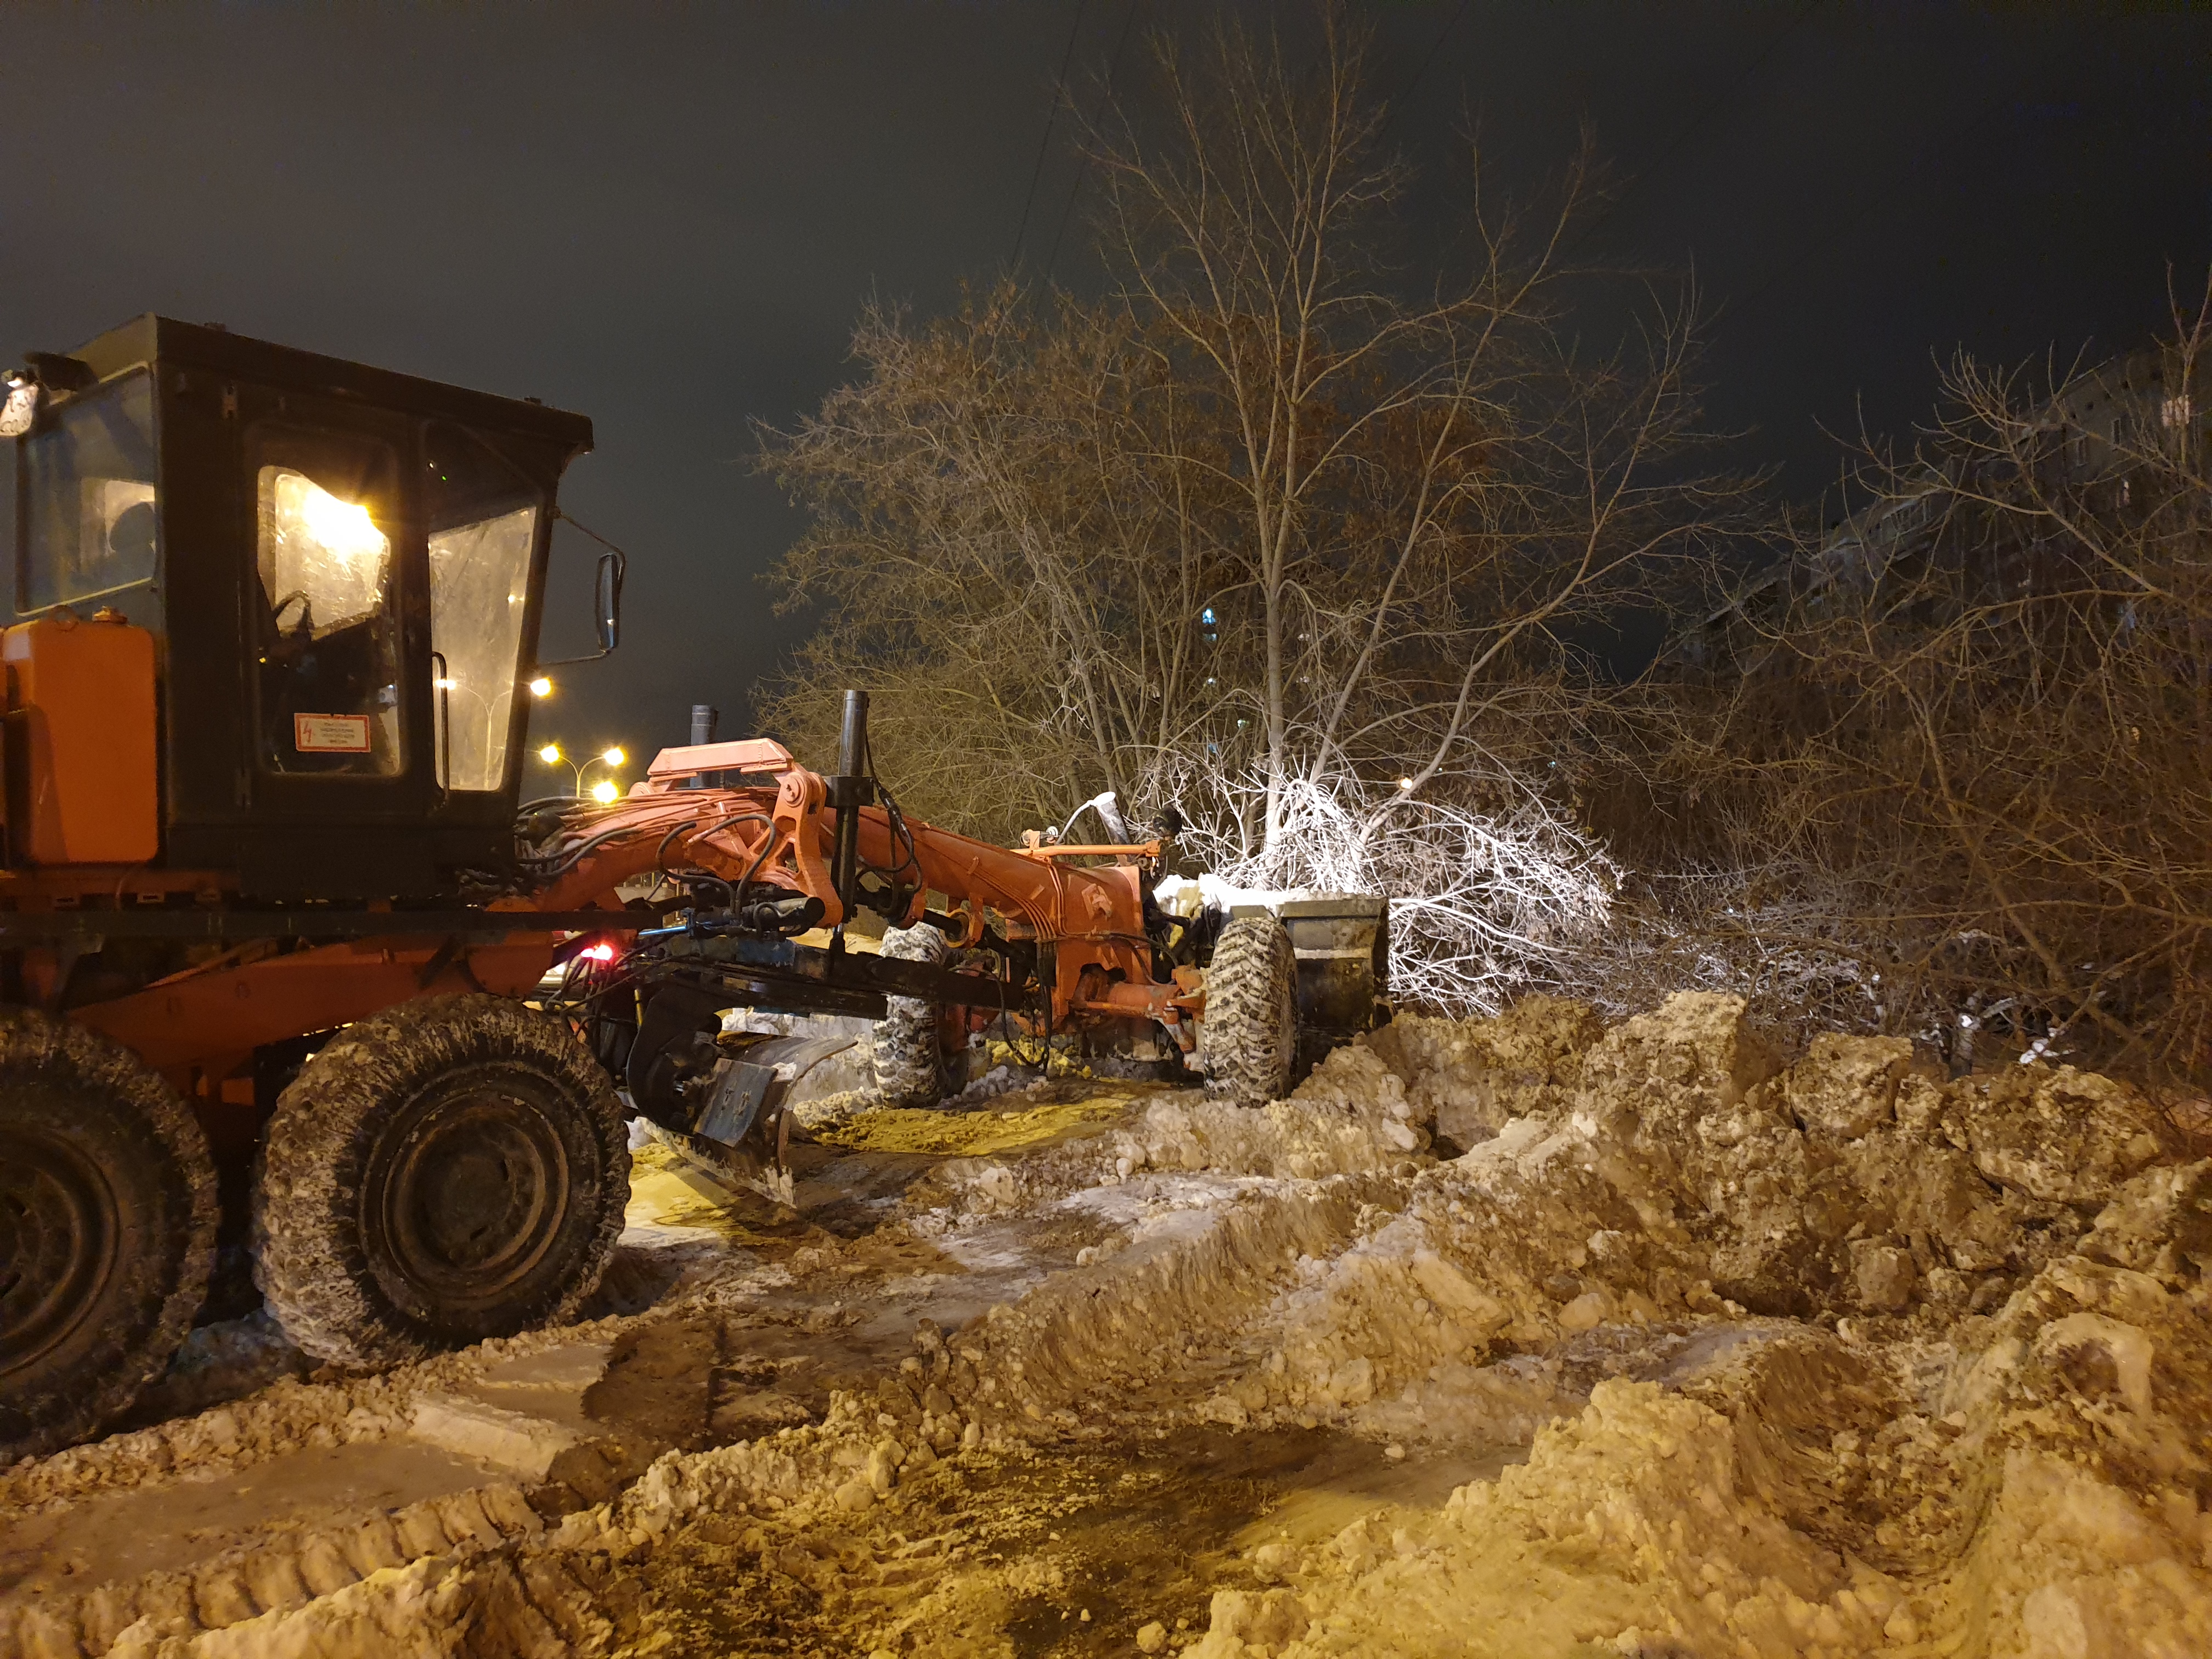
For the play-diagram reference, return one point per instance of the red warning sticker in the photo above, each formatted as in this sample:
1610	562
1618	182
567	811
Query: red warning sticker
330	734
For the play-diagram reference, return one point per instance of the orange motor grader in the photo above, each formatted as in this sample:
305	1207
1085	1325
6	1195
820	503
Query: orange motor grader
276	936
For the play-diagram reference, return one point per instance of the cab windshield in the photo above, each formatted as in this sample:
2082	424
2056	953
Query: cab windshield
483	521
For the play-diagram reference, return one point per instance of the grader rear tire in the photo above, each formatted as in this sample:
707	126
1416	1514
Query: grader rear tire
107	1219
452	1169
1249	1032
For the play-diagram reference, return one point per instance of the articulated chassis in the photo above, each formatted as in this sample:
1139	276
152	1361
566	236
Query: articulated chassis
1039	944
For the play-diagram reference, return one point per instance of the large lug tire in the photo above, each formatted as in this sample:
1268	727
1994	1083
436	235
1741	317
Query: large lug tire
452	1169
1249	1035
911	1068
107	1220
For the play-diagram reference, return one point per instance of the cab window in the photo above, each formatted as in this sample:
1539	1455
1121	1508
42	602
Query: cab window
89	524
326	608
484	519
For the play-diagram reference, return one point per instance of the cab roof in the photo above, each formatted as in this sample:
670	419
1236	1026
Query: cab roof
211	349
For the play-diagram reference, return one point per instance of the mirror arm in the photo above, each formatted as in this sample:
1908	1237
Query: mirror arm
614	568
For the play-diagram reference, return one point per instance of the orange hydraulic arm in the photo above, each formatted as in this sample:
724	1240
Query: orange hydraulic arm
780	837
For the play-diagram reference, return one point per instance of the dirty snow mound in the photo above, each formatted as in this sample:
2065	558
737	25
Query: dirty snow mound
1716	1355
1470	1077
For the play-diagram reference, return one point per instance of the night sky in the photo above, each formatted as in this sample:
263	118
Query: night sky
666	216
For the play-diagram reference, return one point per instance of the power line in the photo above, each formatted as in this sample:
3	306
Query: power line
1084	167
1044	145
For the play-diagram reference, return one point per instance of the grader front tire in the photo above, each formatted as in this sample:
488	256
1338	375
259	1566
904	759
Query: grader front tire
911	1061
107	1219
450	1170
1249	1035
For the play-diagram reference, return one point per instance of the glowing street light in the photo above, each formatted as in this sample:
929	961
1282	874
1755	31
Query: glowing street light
613	754
541	687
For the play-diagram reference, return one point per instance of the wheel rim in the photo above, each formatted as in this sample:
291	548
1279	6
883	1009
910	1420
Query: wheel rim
465	1195
60	1231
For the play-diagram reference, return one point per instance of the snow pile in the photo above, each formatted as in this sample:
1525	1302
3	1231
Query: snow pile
1924	1475
477	1572
287	1417
1846	1184
1825	1359
1733	1309
1470	1078
1606	1534
1353	1116
1795	1502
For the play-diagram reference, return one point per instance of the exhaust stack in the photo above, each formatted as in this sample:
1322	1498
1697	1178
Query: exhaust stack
849	791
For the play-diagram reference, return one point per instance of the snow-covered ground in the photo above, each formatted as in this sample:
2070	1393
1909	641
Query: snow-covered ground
1520	1336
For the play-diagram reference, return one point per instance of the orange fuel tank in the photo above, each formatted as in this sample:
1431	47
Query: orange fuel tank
82	781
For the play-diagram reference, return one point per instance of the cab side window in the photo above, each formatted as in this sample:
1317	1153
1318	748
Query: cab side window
88	498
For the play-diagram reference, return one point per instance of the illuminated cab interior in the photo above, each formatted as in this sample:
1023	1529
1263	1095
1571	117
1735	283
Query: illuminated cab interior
341	569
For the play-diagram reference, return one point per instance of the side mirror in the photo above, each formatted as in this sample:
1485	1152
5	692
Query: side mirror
606	600
613	567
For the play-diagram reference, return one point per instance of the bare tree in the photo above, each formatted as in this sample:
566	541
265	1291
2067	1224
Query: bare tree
1416	492
1283	535
1967	765
997	550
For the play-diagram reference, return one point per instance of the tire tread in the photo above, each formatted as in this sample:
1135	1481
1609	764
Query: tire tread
62	1408
307	1259
908	1065
1248	1034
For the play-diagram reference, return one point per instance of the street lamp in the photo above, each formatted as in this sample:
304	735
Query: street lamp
612	756
541	687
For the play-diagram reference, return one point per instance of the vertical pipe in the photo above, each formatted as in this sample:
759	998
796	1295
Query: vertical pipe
705	717
848	789
853	735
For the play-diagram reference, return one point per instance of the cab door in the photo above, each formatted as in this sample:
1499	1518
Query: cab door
334	623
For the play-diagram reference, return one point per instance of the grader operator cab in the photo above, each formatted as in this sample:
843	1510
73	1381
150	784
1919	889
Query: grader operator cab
338	571
269	621
269	906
